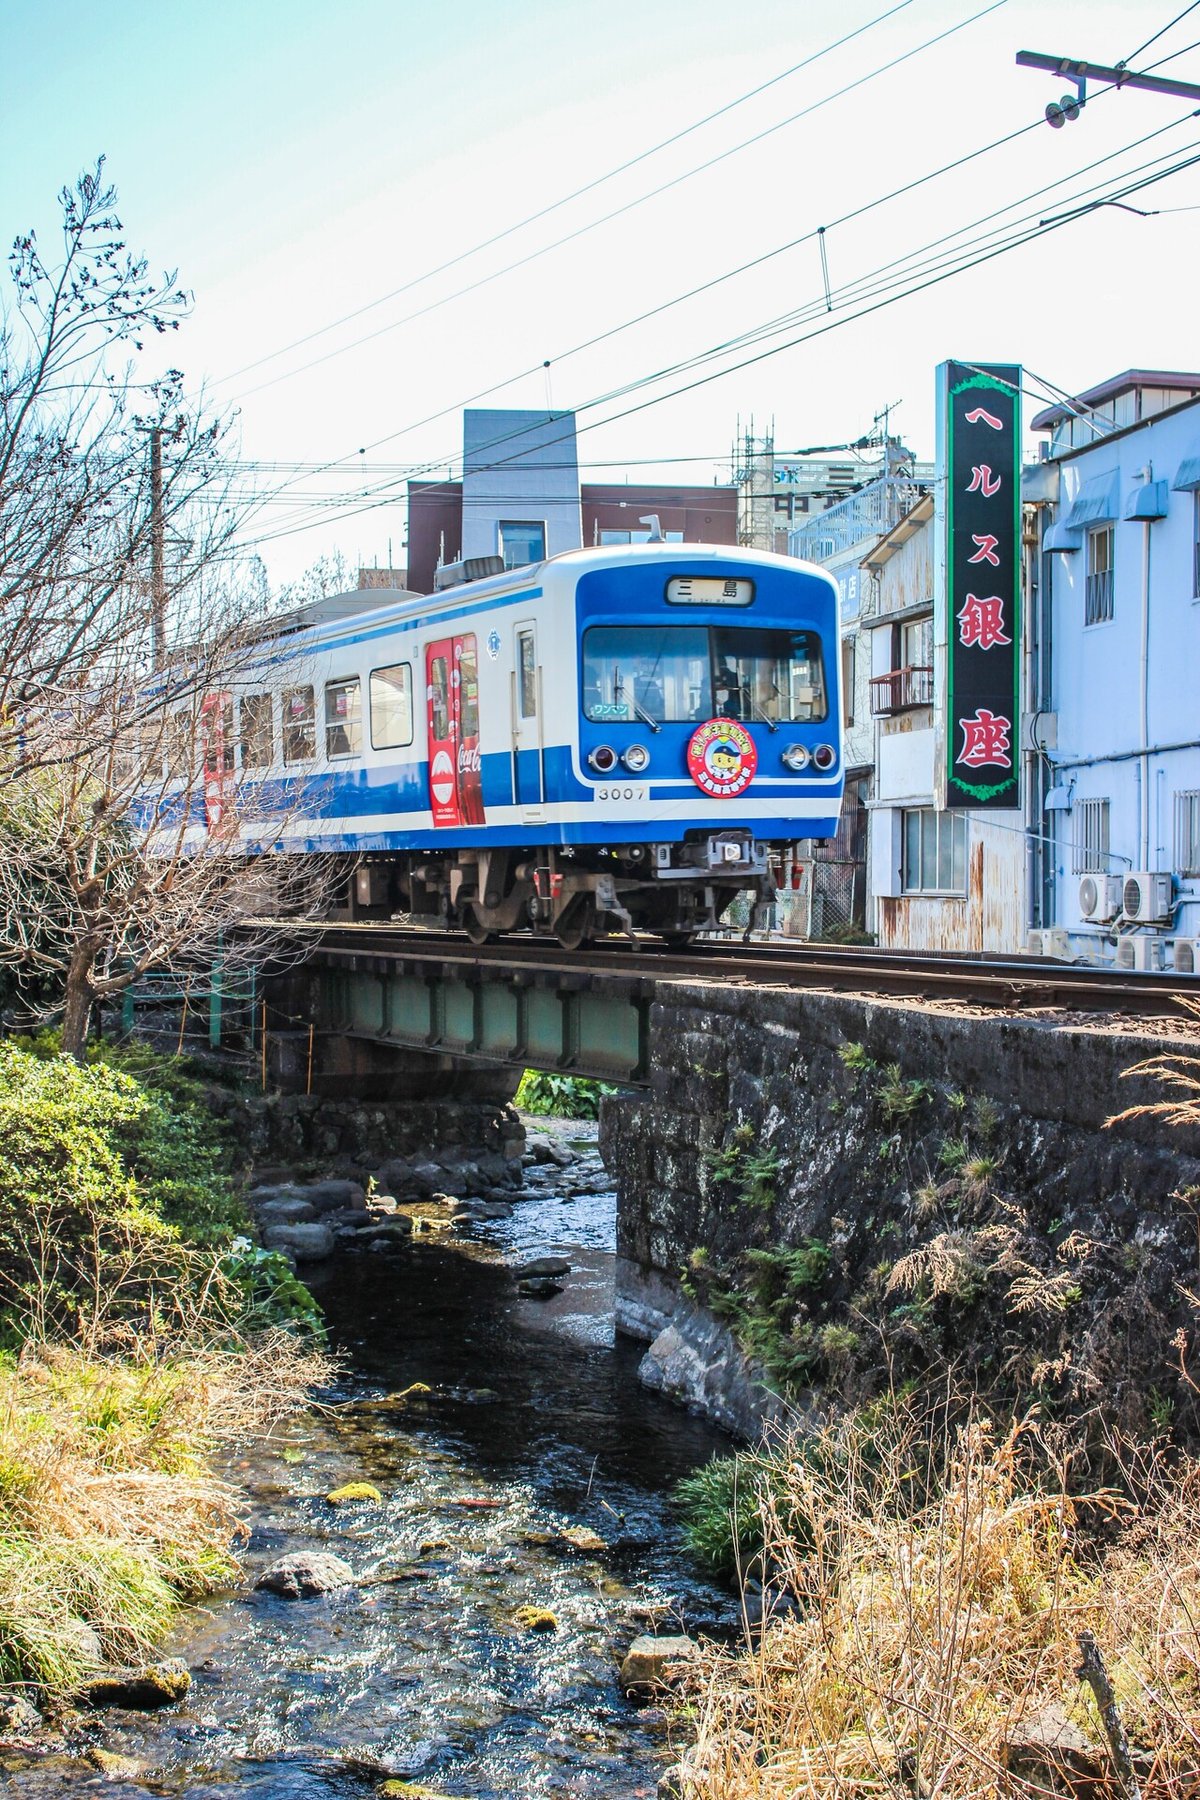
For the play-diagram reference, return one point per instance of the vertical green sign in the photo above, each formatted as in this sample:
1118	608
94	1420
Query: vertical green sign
982	435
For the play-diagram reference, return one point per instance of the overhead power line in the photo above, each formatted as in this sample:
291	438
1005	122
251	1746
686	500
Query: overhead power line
613	331
1134	54
627	207
915	281
576	194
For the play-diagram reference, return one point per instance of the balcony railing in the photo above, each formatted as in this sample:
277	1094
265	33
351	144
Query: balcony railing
858	519
900	689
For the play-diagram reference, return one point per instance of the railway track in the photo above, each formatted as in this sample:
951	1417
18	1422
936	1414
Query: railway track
1015	983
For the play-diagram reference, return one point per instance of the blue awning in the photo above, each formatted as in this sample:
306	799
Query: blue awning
1188	476
1149	501
1061	537
1097	503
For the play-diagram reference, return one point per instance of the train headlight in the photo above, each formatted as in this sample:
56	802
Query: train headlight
824	756
796	757
603	759
636	758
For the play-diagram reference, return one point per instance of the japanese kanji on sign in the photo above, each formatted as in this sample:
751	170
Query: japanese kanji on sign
982	436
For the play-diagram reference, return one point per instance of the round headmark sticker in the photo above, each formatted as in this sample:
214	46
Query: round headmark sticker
721	758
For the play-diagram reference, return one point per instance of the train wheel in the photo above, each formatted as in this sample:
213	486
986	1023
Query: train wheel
577	924
476	930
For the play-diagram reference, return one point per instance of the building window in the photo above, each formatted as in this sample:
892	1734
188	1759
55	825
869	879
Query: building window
522	541
391	707
257	744
1099	603
848	680
637	537
909	682
1090	820
1187	832
299	724
935	852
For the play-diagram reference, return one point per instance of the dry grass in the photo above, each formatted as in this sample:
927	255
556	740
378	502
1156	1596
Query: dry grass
110	1512
1174	1071
939	1605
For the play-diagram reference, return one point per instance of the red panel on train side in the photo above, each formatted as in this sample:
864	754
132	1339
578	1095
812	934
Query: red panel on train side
452	698
216	737
465	687
441	695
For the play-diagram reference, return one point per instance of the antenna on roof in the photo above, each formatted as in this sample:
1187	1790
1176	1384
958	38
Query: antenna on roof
656	532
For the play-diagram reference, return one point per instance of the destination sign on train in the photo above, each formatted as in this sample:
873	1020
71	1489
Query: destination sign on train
709	590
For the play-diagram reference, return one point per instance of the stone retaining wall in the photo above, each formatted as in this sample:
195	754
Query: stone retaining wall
786	1178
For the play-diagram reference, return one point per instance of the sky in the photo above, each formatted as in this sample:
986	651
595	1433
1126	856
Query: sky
300	163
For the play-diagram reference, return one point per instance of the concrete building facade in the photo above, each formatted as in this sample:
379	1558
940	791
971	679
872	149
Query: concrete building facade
521	498
1114	691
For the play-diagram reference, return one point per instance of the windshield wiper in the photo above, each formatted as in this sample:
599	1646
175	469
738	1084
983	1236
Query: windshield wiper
642	714
758	713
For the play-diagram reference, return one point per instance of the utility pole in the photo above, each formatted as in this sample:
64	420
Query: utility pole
1078	71
158	581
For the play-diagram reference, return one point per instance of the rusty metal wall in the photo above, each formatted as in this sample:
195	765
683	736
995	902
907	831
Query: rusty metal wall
990	918
906	579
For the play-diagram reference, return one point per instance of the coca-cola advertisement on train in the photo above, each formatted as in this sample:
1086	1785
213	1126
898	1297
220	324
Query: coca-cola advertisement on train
452	698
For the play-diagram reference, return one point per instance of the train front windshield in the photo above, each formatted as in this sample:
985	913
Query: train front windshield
679	673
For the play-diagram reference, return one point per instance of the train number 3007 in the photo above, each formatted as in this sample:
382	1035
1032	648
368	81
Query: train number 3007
630	792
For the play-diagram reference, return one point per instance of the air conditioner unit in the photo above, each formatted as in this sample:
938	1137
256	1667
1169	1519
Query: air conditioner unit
1147	897
1050	942
1186	957
1145	954
1100	897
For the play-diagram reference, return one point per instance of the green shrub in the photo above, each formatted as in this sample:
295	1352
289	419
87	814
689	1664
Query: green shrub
721	1507
899	1099
952	1154
116	1205
561	1096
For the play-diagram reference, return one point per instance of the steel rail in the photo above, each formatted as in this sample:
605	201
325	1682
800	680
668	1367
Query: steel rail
1014	983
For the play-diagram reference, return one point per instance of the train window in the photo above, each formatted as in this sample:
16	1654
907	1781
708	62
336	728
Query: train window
343	717
776	676
647	672
528	673
391	707
468	687
258	746
439	700
299	724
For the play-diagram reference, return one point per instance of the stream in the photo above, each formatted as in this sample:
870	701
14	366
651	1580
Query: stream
533	1410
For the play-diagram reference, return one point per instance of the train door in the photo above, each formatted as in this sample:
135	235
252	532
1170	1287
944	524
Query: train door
216	738
452	701
527	739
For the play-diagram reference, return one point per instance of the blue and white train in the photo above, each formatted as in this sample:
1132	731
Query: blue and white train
615	739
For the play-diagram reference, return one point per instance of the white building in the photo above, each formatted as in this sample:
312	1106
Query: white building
939	878
836	873
1115	673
